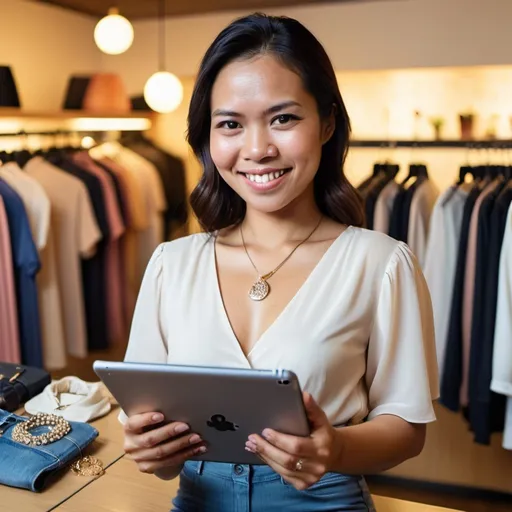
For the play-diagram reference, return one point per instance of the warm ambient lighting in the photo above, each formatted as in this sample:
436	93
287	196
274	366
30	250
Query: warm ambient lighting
163	92
113	33
92	124
87	142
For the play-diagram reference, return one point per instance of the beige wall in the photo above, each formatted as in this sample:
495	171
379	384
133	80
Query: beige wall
380	34
44	45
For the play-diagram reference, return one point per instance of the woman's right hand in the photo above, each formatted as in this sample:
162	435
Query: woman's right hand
164	447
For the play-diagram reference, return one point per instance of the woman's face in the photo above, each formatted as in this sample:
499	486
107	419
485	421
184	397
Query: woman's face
266	135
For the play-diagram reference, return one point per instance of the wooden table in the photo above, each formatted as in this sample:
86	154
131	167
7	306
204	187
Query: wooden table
123	488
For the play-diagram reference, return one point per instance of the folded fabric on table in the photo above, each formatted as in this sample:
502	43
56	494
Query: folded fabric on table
73	399
29	466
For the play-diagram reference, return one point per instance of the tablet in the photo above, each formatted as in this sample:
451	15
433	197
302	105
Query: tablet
223	405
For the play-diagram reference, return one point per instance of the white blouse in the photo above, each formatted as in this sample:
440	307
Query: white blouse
359	333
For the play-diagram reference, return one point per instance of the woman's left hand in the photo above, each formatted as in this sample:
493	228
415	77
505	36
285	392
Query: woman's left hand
301	461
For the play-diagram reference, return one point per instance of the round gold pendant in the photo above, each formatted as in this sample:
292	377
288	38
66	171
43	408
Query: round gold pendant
259	290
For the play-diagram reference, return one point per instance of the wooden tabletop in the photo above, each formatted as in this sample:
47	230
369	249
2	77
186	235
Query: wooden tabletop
123	488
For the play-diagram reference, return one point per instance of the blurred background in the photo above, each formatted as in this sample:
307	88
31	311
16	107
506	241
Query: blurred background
107	83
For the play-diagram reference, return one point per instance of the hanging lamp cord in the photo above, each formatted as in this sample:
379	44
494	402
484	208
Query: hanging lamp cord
161	16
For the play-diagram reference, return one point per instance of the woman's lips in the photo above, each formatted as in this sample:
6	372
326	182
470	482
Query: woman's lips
267	179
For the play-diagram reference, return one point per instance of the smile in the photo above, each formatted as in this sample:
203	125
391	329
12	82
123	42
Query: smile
267	177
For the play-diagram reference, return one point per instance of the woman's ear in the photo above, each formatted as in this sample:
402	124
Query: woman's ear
328	126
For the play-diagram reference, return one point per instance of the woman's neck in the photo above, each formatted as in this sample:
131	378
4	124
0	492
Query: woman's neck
273	230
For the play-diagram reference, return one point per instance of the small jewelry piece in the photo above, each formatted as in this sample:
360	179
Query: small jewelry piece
298	465
59	427
260	289
88	466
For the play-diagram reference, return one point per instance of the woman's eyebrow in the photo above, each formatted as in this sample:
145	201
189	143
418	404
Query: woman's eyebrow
270	110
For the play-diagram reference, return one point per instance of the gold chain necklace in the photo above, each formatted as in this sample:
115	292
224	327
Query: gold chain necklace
260	289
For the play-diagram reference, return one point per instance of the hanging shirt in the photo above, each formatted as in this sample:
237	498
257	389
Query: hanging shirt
38	207
112	284
441	259
172	174
93	268
36	202
469	291
422	204
384	206
136	222
9	333
26	265
371	352
451	376
76	235
502	353
149	182
487	409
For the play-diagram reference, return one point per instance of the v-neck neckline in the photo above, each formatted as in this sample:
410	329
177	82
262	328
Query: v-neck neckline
222	307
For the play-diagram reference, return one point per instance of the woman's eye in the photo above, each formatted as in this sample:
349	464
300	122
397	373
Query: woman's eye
285	118
230	125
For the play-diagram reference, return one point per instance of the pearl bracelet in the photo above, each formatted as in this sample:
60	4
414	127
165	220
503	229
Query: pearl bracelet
59	427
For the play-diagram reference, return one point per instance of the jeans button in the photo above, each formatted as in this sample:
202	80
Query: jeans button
239	469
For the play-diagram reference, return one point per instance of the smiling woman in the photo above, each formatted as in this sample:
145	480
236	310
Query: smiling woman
284	277
270	94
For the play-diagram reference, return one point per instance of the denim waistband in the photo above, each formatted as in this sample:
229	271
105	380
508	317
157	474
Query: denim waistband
259	473
256	473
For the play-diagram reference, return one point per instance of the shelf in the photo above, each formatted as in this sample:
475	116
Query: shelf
433	144
13	121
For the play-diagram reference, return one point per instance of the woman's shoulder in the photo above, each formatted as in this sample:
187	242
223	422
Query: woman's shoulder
375	249
184	247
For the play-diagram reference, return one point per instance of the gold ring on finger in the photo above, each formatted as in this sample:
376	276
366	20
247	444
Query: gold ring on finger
298	465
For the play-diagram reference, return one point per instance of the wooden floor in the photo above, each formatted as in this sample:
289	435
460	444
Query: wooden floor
83	368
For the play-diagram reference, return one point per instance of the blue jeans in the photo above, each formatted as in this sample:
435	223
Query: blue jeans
29	467
214	487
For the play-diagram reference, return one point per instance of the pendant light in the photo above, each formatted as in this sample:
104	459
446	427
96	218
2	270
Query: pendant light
113	34
163	91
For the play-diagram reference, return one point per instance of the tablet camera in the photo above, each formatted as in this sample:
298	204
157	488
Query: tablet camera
283	382
220	423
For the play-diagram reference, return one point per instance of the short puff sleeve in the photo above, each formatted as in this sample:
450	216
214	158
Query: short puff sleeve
402	374
148	335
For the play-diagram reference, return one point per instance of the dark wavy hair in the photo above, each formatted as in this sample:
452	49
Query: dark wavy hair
214	202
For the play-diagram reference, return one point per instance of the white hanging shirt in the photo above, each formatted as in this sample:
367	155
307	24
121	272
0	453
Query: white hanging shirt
359	333
441	259
502	355
422	204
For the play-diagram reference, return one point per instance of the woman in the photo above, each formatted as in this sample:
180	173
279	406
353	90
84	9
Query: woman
284	277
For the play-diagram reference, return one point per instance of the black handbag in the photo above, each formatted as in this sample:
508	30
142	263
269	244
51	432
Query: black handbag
19	383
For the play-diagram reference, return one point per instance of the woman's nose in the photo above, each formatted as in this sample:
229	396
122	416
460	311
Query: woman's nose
258	146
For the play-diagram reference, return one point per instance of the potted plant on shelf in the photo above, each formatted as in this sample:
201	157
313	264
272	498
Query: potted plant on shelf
467	122
437	123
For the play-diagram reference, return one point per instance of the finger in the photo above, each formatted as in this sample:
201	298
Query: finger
315	413
168	449
299	446
177	459
136	424
155	436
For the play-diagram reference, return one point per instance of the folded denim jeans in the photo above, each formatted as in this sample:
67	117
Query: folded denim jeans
29	467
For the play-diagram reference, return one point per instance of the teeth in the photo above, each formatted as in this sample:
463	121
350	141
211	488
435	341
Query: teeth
265	178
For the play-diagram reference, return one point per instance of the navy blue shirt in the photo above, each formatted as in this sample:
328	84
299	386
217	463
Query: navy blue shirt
26	265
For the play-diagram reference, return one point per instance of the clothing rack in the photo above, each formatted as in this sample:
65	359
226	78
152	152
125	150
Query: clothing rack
23	133
433	144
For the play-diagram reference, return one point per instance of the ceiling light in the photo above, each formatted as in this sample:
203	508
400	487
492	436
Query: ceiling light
163	91
113	33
